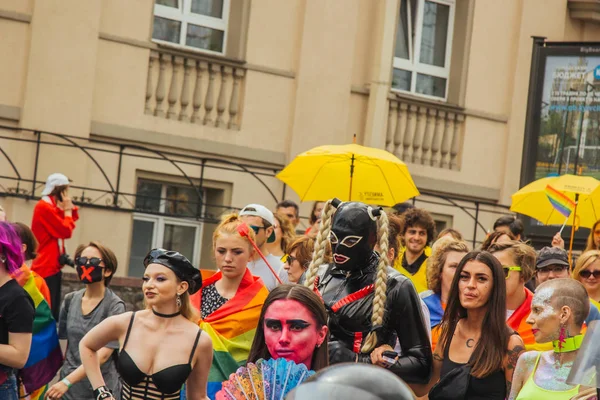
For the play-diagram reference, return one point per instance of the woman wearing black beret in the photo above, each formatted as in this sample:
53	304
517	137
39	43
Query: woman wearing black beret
161	347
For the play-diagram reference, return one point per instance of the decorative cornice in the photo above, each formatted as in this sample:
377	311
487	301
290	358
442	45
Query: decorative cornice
266	157
10	112
196	54
15	16
406	98
585	10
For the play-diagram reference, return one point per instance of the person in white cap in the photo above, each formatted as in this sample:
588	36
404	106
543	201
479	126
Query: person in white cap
53	221
261	220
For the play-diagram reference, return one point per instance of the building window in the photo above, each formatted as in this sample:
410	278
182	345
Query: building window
423	47
197	24
165	218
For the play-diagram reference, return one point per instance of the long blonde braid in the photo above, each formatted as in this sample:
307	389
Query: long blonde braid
380	284
318	257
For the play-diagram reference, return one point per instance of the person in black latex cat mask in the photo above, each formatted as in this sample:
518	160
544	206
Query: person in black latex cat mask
370	305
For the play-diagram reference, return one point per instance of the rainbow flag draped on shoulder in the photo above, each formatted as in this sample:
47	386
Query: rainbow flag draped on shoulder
232	327
518	322
45	356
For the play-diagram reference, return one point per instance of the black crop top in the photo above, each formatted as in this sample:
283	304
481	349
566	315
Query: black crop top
491	387
162	385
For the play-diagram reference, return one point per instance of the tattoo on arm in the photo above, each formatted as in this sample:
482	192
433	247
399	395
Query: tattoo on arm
513	356
508	388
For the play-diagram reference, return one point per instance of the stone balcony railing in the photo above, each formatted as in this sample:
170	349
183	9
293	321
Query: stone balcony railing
424	133
194	89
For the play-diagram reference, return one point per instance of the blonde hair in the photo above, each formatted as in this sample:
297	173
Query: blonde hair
229	226
320	247
380	283
523	255
590	245
287	230
187	310
584	261
380	296
437	259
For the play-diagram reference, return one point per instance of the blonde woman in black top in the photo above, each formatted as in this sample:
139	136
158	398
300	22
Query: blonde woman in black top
161	348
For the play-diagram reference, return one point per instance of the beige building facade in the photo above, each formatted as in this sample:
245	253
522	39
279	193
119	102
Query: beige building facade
167	113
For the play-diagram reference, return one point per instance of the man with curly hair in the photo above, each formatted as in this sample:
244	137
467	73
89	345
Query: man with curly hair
417	234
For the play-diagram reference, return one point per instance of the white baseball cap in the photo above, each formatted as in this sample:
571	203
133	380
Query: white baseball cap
263	212
53	181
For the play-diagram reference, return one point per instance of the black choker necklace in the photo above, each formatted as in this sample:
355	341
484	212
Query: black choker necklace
165	315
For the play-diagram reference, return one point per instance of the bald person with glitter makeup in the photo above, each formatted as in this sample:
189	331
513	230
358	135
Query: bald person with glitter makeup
558	311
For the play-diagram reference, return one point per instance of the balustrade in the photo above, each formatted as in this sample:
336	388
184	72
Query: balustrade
194	89
425	134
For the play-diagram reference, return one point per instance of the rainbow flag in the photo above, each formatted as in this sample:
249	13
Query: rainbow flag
45	356
232	327
518	322
560	201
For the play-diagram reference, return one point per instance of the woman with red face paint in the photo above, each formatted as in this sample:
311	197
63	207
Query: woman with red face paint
470	361
293	326
558	311
80	312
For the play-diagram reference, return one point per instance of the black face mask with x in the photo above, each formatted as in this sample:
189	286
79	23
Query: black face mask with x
89	270
353	235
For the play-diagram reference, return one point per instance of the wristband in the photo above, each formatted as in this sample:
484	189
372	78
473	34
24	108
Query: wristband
67	383
102	393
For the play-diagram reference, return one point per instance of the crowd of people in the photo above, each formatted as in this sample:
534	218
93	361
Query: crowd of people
359	285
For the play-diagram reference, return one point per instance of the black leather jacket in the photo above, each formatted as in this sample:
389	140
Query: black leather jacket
403	319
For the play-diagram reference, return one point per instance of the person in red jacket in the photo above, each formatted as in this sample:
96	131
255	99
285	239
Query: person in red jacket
53	221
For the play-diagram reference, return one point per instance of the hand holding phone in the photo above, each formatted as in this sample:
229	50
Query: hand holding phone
389	357
64	201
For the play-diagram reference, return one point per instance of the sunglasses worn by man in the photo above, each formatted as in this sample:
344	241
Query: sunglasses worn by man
257	229
508	268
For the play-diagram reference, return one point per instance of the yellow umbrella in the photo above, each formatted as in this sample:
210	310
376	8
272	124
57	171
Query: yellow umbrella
349	172
582	192
532	200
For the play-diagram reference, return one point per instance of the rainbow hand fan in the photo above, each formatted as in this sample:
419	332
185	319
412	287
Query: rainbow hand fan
266	380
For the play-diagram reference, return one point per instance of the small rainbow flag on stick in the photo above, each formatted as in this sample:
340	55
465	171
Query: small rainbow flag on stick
560	201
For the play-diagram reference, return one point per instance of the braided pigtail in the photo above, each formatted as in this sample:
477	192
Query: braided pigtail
380	284
318	257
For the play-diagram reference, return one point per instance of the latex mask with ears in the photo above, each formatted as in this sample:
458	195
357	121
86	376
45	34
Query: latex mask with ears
353	235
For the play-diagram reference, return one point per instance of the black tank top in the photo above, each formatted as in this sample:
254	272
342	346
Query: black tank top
492	387
162	385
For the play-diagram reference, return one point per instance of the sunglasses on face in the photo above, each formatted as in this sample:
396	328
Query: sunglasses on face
556	269
94	261
289	259
585	274
507	270
256	229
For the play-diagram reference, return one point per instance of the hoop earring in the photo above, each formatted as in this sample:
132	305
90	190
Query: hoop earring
178	300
